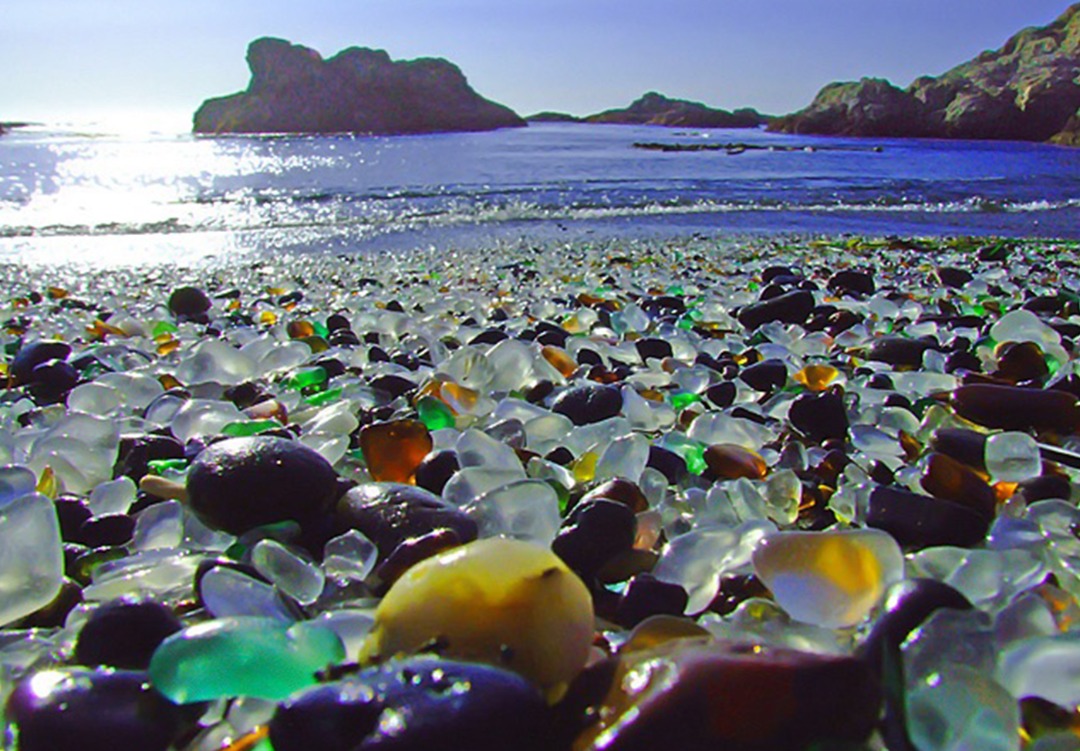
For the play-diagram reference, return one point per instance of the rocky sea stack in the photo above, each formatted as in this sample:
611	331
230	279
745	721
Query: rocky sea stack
657	109
294	90
1029	90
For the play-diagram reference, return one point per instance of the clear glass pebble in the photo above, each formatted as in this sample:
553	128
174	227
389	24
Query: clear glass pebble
350	556
160	526
957	709
31	556
112	497
227	592
1012	457
523	510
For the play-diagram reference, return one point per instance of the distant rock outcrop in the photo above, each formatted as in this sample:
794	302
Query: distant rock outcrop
657	109
553	117
1029	90
294	90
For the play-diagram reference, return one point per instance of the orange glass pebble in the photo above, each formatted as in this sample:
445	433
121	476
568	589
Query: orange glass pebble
560	360
300	329
817	377
393	450
729	461
459	398
270	409
168	346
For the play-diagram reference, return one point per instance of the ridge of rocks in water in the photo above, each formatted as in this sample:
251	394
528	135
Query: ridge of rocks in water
823	467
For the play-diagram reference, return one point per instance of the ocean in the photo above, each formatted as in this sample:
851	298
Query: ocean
94	196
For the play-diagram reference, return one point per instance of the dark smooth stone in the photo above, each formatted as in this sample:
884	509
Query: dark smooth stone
699	694
75	709
652	347
770	273
820	416
124	633
668	463
343	338
337	322
921	521
189	302
963	360
734	589
392	386
136	451
767	375
390	513
1021	361
411	551
1017	408
55	614
106	530
561	456
436	469
621	491
72	513
898	350
595	532
790	307
490	336
721	394
966	446
33	354
953	277
852	282
663	305
1044	487
241	483
434	705
646	596
55	375
588	403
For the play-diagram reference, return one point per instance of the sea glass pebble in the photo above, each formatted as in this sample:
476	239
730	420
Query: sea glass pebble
393	450
242	656
504	602
31	556
831	579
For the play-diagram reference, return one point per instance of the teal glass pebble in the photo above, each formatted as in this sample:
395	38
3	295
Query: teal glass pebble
242	656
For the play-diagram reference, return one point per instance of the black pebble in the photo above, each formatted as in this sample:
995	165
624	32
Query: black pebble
588	403
124	633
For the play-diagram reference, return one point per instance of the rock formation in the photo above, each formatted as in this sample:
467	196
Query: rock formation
553	117
294	90
657	109
1028	90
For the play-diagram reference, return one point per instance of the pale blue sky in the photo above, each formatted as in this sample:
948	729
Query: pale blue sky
84	59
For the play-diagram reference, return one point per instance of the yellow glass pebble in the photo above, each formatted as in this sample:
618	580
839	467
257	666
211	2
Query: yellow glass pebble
831	579
585	467
559	360
504	602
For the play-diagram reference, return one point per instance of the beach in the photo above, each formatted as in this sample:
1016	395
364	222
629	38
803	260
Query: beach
788	444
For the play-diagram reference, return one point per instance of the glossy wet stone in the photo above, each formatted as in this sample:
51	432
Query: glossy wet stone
945	477
588	403
830	579
698	694
1016	408
790	307
594	533
389	514
241	483
74	709
242	656
767	375
852	282
646	596
919	521
416	704
393	450
502	602
189	302
124	633
34	354
820	416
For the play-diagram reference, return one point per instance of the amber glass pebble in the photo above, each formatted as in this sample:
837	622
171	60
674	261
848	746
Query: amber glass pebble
729	461
816	377
393	450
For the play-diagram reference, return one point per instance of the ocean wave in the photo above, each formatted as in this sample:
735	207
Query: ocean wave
407	210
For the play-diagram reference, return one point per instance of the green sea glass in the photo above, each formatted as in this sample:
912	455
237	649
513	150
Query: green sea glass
434	413
242	656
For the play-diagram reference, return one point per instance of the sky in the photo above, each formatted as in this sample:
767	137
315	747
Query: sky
156	60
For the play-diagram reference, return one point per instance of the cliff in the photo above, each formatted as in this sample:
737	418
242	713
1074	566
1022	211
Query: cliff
294	90
1027	90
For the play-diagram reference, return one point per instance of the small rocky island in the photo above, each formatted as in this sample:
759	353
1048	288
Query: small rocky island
1029	90
294	90
657	109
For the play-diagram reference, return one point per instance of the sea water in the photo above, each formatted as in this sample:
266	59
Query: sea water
97	196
